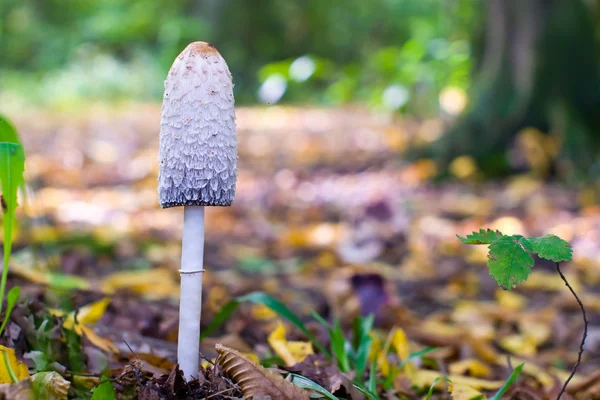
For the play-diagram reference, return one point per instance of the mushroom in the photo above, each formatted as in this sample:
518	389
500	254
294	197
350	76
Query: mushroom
198	167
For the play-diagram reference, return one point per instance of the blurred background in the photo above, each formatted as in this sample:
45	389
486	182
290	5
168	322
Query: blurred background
503	65
370	133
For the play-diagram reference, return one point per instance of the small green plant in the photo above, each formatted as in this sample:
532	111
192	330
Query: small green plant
350	355
509	257
104	391
12	166
509	382
510	261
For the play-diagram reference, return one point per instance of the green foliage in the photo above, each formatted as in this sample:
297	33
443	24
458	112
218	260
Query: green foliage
340	347
509	257
484	236
11	300
388	383
104	391
306	383
509	382
8	133
351	355
75	354
552	248
509	262
435	382
361	343
359	48
262	298
12	166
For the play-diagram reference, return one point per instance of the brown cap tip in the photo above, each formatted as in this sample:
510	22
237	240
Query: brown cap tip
202	48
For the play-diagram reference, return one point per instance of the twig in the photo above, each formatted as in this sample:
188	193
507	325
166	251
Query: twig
130	349
585	330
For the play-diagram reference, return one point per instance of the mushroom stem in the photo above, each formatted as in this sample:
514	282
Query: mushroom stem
190	306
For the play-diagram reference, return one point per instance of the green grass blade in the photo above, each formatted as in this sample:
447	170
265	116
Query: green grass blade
11	299
366	392
306	383
362	343
223	314
11	373
275	305
283	311
339	346
12	166
417	354
389	380
373	376
435	382
320	319
509	382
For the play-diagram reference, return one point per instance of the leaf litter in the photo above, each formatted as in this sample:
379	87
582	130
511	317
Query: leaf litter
328	220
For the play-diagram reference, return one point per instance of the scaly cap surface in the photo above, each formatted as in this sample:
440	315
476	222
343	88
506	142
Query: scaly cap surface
198	146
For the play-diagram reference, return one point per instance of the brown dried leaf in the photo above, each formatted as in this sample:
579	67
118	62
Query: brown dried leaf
255	380
21	390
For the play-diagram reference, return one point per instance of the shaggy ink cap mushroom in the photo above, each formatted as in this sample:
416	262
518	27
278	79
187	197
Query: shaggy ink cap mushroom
198	146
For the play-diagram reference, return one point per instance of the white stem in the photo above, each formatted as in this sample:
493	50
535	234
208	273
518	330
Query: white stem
190	306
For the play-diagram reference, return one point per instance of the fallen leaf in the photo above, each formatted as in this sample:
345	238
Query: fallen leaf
510	300
291	352
255	380
425	378
470	366
400	344
17	391
154	283
18	368
98	341
88	315
464	392
50	386
530	369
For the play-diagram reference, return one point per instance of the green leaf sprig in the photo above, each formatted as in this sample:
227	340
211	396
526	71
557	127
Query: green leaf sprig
509	257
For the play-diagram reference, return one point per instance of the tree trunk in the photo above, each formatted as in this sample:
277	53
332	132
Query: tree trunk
539	69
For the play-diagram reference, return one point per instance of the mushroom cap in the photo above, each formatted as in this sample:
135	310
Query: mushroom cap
198	146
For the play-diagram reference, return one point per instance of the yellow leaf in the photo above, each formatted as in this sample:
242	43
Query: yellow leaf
401	345
98	341
471	366
87	315
529	369
262	313
425	378
291	352
155	283
206	364
18	368
550	281
465	392
538	331
521	345
510	300
380	353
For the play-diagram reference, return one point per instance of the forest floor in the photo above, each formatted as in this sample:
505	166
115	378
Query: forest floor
327	218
